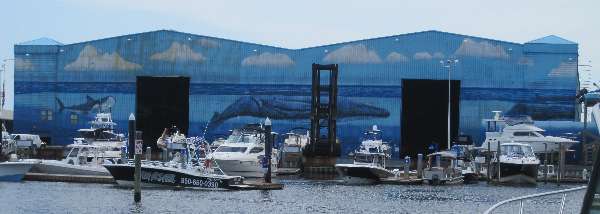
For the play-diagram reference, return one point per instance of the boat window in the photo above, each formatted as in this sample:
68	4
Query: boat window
373	150
512	150
528	151
291	149
523	134
74	152
231	149
256	150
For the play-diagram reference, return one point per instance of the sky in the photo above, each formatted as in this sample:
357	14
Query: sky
297	24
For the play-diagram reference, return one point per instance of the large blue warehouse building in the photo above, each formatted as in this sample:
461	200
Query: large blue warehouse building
395	82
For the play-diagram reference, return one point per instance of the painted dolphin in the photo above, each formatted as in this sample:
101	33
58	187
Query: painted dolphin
291	109
91	104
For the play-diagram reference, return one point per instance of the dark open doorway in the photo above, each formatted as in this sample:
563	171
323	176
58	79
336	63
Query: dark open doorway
425	114
161	102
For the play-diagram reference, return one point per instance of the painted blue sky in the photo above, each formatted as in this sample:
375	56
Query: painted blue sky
301	23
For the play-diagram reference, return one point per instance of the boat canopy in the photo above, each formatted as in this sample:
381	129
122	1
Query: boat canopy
444	154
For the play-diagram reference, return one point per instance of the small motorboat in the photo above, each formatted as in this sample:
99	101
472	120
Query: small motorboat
172	174
369	161
518	164
81	160
291	150
180	171
442	168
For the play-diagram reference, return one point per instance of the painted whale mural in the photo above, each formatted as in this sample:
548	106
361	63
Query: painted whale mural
291	109
91	105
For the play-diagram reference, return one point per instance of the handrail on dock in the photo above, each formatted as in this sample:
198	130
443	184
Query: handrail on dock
521	198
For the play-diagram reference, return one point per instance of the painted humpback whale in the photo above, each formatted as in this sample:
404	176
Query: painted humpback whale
290	109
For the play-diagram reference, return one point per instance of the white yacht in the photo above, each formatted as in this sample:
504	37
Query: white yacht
369	161
243	153
518	164
503	130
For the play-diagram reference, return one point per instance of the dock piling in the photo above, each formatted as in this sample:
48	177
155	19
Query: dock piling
545	163
137	193
268	149
498	153
419	165
489	163
407	166
148	153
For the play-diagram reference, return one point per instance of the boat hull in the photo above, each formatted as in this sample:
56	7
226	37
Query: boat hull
518	173
244	168
362	174
59	167
170	177
14	171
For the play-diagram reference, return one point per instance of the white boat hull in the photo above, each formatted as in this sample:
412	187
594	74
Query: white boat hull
14	171
362	174
59	167
244	168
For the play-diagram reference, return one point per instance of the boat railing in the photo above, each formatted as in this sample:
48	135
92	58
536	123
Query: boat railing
522	199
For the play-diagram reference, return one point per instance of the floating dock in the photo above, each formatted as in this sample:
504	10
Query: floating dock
403	181
257	186
69	178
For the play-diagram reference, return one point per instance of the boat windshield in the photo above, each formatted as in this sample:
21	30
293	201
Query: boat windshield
367	158
291	148
517	150
231	149
372	135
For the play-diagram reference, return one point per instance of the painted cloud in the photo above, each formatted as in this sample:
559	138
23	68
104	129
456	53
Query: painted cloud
396	57
438	55
178	52
91	59
23	64
268	59
352	54
564	70
422	56
480	49
207	43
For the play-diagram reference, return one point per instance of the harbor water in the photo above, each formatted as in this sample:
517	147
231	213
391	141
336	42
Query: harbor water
298	196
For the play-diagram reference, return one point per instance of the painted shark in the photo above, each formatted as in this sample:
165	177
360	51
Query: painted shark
91	104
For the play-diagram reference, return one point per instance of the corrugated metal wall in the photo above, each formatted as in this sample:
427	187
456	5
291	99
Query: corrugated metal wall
236	82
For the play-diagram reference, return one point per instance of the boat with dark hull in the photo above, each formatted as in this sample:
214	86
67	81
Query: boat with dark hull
369	161
518	164
163	175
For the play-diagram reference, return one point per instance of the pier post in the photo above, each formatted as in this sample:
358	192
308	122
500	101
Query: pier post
546	163
419	165
131	138
148	153
561	162
498	153
407	166
137	193
488	159
268	149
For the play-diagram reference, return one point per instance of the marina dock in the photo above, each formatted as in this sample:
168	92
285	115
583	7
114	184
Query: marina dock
258	185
